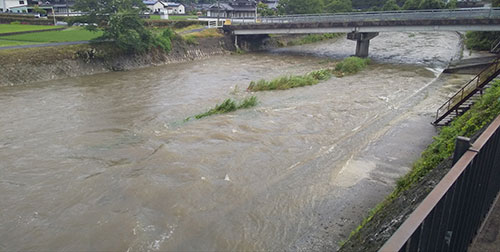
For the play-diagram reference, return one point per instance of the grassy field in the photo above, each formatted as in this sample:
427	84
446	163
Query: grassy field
7	28
4	43
70	34
172	17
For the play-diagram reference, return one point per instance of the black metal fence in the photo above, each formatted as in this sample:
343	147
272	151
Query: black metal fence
449	217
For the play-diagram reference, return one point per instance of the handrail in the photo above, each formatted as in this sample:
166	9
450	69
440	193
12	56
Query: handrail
495	45
450	214
476	80
479	13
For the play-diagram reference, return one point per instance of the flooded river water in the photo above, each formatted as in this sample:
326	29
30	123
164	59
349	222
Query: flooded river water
106	162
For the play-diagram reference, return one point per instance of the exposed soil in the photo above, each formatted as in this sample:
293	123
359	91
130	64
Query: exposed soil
30	65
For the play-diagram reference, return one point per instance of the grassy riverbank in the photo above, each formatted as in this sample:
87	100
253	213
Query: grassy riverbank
381	217
350	65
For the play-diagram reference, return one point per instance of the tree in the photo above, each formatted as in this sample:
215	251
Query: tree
264	10
333	6
121	24
431	4
390	5
300	6
452	4
39	10
411	5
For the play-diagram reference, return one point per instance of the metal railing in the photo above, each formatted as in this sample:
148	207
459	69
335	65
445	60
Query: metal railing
449	217
470	13
468	90
495	46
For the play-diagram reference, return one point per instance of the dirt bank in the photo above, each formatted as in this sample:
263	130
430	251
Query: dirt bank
21	66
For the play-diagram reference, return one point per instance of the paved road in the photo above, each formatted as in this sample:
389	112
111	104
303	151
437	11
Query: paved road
45	45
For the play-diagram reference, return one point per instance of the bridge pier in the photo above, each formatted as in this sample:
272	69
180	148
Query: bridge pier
362	42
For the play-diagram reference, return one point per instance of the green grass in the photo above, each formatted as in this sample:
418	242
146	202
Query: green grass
313	38
4	43
189	28
172	17
227	106
349	65
70	34
480	115
287	82
8	28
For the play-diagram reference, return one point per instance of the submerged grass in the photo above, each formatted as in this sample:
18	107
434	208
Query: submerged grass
229	105
480	115
349	65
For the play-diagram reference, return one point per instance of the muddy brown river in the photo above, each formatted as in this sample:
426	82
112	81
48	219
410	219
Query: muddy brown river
107	162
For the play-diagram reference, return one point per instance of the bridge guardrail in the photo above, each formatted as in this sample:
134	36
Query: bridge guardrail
472	13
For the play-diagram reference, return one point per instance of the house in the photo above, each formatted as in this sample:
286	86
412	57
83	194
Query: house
241	9
155	6
8	5
175	8
272	4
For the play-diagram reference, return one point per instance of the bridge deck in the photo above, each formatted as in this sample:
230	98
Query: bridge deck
482	19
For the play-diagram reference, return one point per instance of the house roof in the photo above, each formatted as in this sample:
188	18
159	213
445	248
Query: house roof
172	4
238	5
150	2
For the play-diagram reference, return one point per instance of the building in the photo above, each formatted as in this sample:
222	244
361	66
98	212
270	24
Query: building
272	4
235	9
175	8
17	5
155	6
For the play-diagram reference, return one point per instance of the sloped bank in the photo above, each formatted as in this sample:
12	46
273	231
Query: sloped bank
427	172
21	66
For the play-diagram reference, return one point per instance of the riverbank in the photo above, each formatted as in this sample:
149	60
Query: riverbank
28	65
407	196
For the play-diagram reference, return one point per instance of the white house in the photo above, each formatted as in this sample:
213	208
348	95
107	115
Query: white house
175	8
155	6
6	5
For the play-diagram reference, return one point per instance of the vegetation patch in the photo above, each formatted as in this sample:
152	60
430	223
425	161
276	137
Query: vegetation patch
480	115
480	40
70	34
312	38
349	65
207	33
227	106
352	65
8	28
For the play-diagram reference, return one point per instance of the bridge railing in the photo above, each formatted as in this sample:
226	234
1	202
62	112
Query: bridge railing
448	218
472	13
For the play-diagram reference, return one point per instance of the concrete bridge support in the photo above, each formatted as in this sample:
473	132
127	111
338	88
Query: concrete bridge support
362	42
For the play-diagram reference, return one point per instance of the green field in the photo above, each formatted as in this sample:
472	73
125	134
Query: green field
172	17
70	34
7	28
4	43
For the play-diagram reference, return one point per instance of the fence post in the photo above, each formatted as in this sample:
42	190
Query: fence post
462	144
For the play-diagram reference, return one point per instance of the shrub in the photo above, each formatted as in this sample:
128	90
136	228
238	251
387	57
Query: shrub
480	40
352	65
227	106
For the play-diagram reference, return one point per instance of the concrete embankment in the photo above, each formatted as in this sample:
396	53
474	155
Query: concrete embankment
30	65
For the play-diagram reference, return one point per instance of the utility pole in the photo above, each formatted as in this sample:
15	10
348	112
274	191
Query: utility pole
218	13
256	5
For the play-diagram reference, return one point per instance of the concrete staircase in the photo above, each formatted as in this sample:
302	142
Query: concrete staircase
463	100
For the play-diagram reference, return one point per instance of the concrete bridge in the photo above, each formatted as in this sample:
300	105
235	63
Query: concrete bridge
363	26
